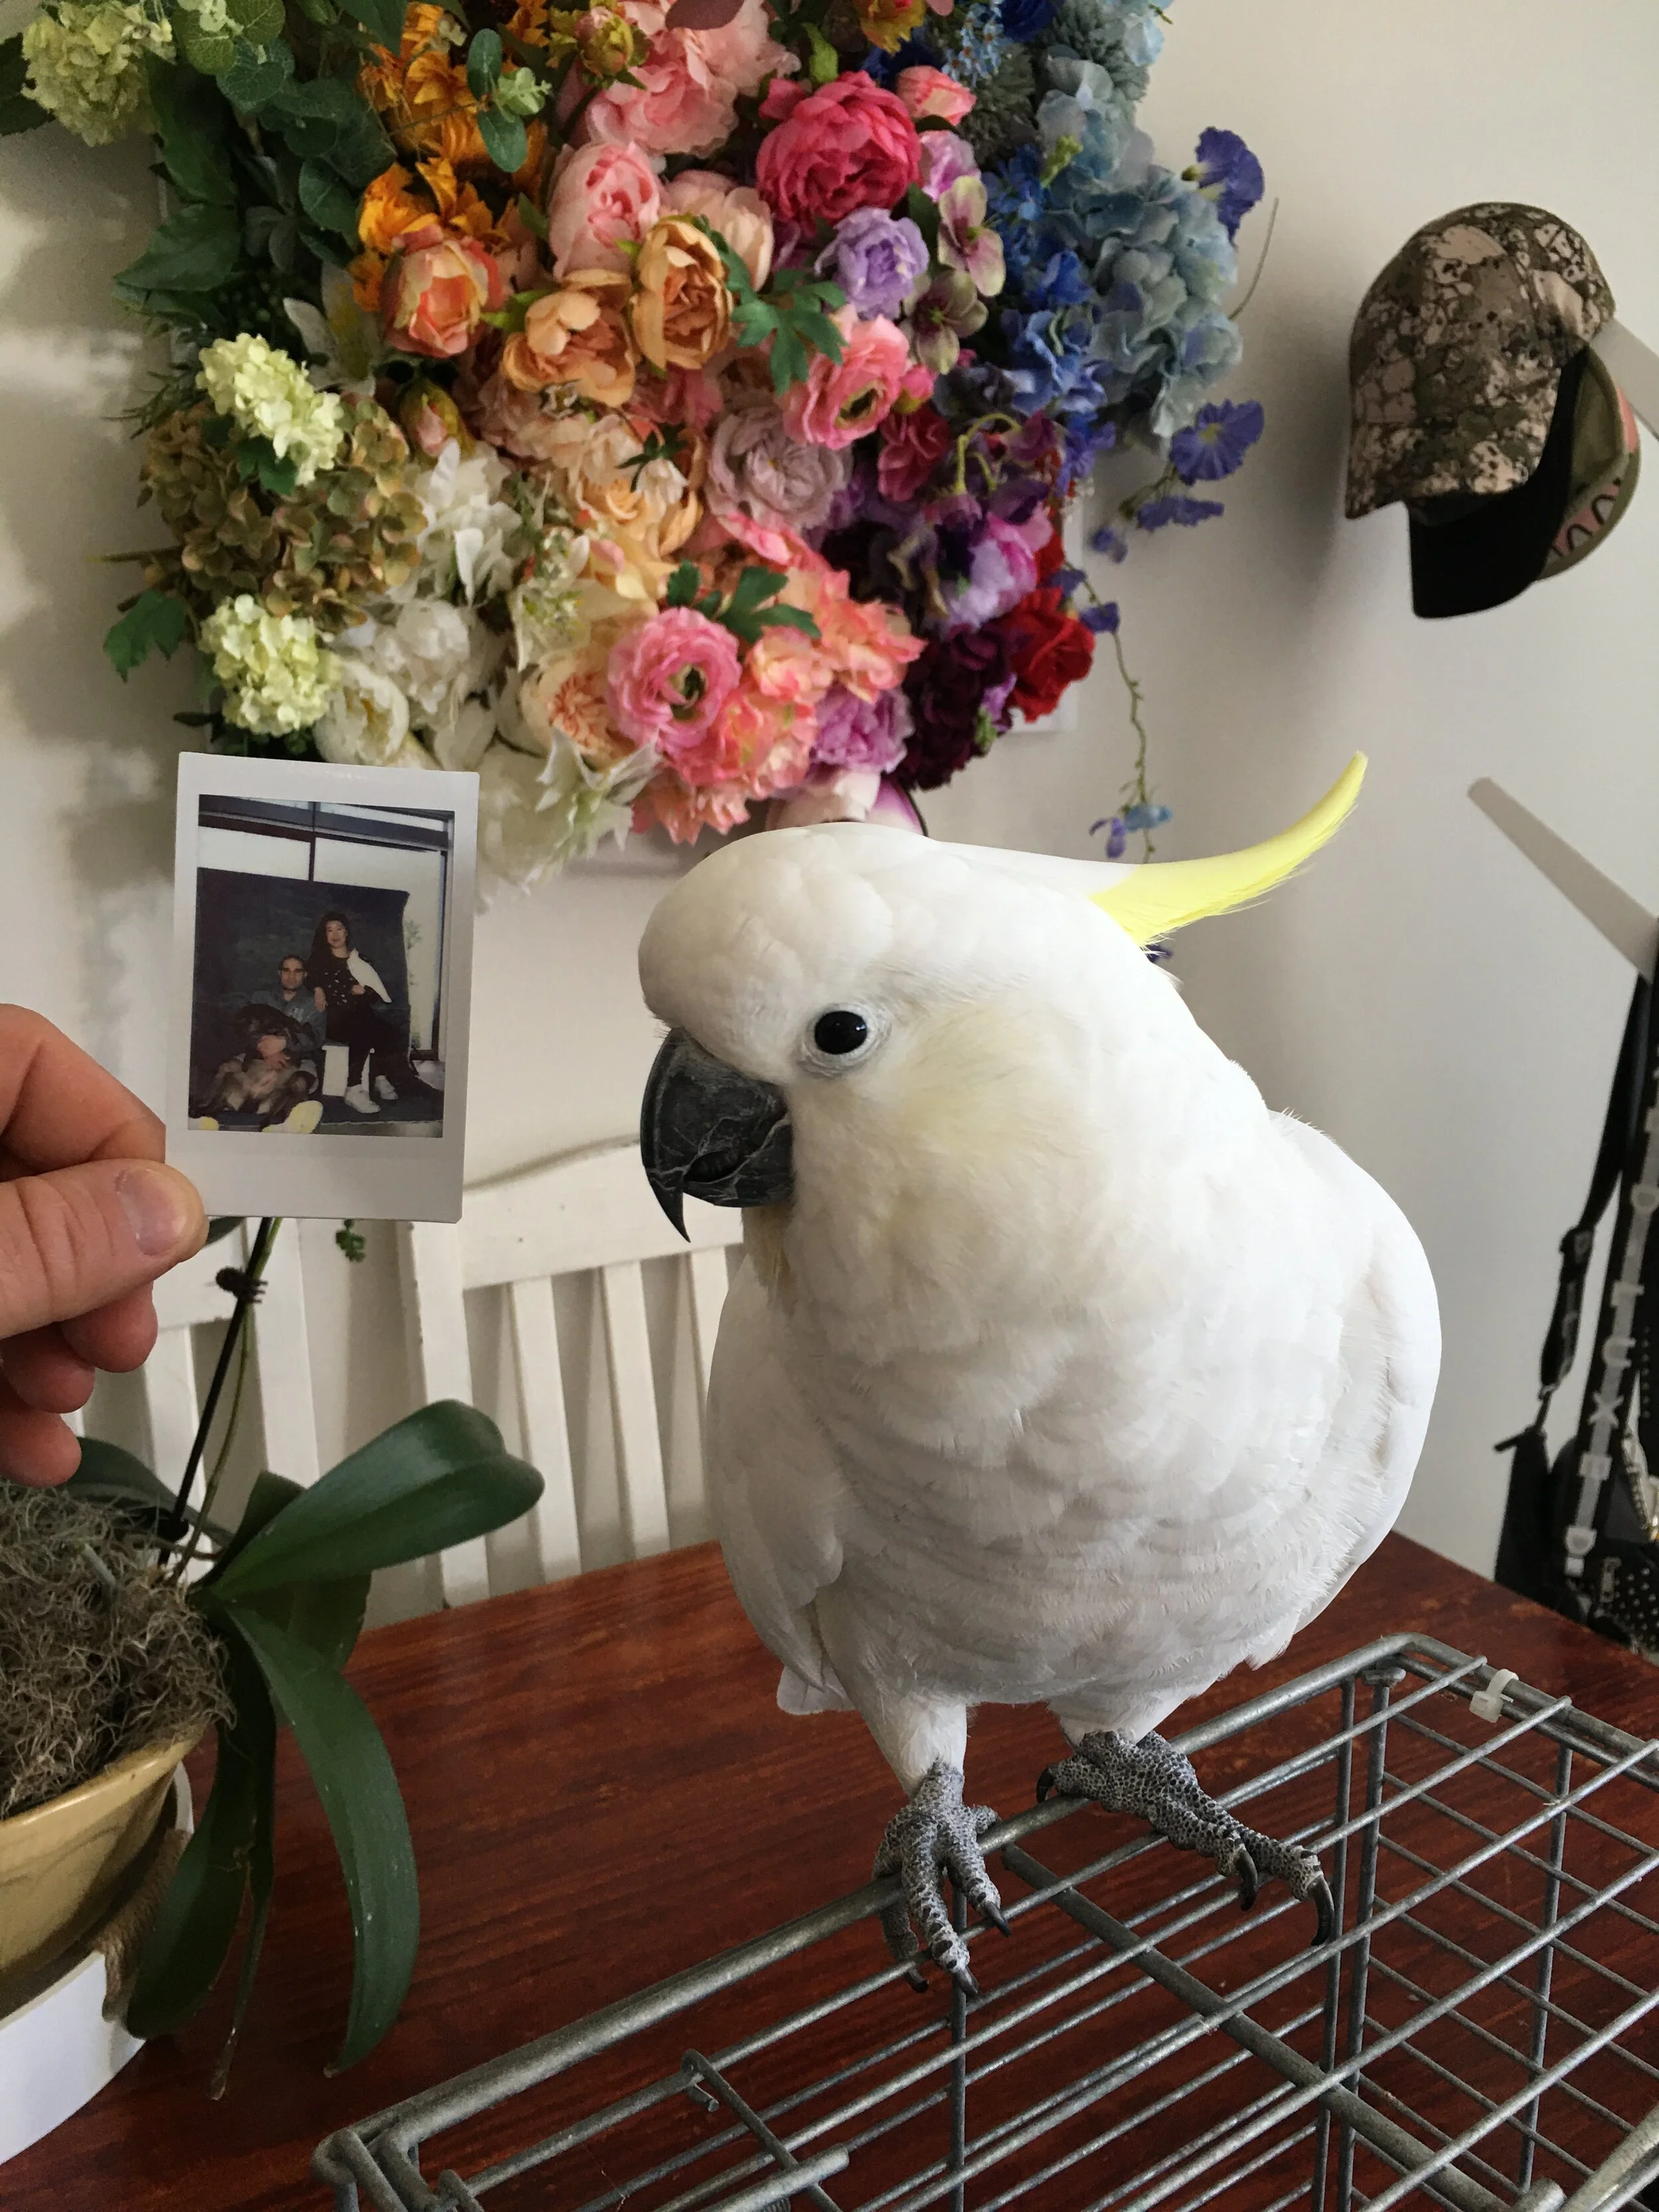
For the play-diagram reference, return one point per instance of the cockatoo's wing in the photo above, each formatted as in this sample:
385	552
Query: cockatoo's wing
775	1494
1391	1347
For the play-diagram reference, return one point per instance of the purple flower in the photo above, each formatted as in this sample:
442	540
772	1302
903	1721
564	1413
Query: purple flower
1065	581
1231	175
1103	619
955	680
1110	542
755	468
1216	441
854	733
1172	508
944	158
1001	570
879	260
1116	836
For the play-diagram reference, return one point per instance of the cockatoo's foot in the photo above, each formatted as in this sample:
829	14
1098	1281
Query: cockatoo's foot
1158	1785
937	1833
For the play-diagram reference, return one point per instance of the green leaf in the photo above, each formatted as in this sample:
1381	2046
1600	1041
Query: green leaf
107	1472
382	19
353	1774
186	1947
753	587
195	250
269	1495
327	1618
532	216
505	140
822	62
278	473
790	617
208	52
320	11
326	120
437	1477
254	79
484	64
155	622
17	110
923	212
683	585
818	330
788	361
256	22
331	205
191	127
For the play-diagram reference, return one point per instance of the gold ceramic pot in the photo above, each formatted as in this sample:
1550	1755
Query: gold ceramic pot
61	1864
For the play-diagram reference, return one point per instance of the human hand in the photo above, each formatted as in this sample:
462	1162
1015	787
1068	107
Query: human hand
357	990
88	1219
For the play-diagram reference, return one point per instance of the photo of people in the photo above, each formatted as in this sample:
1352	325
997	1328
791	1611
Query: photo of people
325	1010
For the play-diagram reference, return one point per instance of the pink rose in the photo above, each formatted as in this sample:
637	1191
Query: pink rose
842	399
735	212
689	83
767	741
848	145
929	92
436	291
667	683
603	197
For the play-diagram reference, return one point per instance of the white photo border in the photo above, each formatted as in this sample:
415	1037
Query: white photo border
362	1176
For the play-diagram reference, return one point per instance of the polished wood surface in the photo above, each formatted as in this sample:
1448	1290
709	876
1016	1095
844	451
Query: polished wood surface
602	1789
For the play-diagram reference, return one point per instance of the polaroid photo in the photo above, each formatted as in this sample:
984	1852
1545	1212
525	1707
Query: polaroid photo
322	941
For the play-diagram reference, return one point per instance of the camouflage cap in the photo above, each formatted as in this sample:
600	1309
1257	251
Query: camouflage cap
1458	349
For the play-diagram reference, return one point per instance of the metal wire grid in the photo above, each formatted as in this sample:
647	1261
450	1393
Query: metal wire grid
1478	2034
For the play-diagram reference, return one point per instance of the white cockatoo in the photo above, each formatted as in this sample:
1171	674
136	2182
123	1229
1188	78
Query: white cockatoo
1058	1368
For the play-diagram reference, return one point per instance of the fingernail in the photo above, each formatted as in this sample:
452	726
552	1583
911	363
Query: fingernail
155	1208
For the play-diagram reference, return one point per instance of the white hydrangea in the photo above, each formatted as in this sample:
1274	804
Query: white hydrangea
85	64
267	394
474	538
212	17
366	721
532	819
277	672
546	605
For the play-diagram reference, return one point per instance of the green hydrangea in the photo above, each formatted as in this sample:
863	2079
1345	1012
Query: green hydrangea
86	61
268	395
277	672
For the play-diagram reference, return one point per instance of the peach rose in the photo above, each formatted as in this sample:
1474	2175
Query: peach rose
736	211
682	309
603	197
667	804
842	399
929	92
577	335
436	293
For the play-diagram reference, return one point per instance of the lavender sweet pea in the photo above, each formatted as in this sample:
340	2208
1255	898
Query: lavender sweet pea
879	260
862	733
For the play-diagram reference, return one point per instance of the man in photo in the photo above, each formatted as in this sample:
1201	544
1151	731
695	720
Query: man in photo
297	1001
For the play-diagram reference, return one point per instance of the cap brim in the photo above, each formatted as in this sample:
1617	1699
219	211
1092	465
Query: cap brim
1491	556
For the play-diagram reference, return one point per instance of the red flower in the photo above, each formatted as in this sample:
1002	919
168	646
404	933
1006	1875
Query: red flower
1048	650
848	145
912	447
1052	556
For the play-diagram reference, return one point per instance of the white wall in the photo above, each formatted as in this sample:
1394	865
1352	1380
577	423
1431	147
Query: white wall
1418	993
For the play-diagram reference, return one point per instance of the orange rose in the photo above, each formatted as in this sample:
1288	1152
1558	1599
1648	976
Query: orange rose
436	291
682	309
577	335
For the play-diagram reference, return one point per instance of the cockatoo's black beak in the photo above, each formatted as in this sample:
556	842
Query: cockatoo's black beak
708	1130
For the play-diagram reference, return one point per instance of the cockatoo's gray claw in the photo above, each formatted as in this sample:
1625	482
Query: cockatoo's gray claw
936	1834
1157	1785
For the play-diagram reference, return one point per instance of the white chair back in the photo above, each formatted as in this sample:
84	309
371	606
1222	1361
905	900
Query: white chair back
588	1225
173	1390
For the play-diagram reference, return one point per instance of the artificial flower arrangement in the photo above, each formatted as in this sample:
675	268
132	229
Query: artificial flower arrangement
659	409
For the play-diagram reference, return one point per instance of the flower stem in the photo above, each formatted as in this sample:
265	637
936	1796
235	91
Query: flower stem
245	1295
1136	792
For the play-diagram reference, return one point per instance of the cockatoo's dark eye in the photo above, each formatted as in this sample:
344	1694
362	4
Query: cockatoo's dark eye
839	1031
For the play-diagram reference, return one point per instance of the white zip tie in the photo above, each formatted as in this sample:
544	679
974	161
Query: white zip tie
1487	1705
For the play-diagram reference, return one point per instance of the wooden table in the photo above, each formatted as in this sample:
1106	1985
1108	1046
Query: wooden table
525	1730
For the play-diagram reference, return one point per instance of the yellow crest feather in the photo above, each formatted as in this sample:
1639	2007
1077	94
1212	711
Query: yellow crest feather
1166	895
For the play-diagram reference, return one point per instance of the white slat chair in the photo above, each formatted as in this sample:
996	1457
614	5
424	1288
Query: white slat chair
590	1214
188	1298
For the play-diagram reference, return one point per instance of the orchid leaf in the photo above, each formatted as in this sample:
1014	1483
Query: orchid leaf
352	1771
438	1478
186	1948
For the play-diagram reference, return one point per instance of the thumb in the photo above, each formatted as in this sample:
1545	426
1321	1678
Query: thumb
73	1240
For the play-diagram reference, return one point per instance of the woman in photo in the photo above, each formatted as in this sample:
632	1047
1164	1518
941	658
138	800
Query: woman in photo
346	990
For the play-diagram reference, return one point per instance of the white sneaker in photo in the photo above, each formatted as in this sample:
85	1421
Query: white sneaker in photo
358	1100
383	1090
